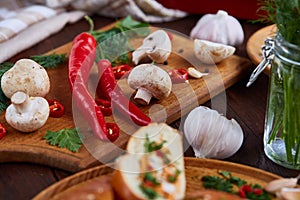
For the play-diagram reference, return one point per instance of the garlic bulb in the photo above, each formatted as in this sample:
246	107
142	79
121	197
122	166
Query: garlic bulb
212	135
219	28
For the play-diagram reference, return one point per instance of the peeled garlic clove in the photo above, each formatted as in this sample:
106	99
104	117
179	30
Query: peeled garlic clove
195	73
211	52
289	193
276	185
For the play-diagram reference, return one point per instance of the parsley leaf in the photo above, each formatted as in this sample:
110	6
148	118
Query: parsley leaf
65	138
152	146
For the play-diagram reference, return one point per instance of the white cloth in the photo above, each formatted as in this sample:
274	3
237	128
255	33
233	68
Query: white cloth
144	10
33	34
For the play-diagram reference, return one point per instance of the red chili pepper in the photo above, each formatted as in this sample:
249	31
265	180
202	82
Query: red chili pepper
113	131
105	106
108	86
56	108
178	75
121	71
2	131
257	191
242	193
82	56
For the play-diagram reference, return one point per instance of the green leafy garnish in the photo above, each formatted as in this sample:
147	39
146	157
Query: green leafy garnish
152	146
286	16
227	183
113	44
65	138
49	61
4	101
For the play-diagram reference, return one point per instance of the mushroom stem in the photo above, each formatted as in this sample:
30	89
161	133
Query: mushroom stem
142	96
20	101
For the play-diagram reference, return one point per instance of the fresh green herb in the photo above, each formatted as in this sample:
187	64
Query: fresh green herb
65	138
235	185
149	192
4	101
286	16
114	43
148	184
283	111
49	61
173	178
152	146
148	176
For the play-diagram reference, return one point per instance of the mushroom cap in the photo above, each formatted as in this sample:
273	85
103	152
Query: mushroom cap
156	46
27	76
151	78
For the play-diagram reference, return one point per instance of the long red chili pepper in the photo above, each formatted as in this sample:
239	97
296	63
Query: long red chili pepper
110	89
2	131
82	56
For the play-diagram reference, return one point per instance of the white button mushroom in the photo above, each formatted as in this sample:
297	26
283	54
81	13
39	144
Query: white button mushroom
27	114
27	76
150	81
156	46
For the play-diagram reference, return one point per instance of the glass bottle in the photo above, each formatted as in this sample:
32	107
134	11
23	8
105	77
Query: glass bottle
282	122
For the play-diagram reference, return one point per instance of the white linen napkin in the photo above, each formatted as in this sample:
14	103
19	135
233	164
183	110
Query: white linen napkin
33	34
145	10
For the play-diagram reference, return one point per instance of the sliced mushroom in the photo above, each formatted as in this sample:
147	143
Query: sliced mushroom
211	52
27	114
149	81
157	46
27	76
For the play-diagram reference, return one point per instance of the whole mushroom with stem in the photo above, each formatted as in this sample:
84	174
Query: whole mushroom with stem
157	46
27	114
150	81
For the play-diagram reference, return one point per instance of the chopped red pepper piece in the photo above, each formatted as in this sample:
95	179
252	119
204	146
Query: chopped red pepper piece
56	108
2	131
178	75
121	71
113	131
105	106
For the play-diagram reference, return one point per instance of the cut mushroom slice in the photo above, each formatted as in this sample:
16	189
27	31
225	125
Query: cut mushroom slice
157	46
149	81
211	52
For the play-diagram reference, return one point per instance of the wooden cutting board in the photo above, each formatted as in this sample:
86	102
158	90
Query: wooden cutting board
98	178
31	147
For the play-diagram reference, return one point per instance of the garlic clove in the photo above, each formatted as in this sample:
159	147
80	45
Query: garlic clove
289	194
276	185
195	73
211	52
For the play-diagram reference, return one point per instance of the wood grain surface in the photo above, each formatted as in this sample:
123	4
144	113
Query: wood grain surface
195	169
31	147
256	41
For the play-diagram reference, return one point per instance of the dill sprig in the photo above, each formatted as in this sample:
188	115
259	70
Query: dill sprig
286	15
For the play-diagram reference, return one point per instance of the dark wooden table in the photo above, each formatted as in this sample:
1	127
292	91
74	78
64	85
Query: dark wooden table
246	105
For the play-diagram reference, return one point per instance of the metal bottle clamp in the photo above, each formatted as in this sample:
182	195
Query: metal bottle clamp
268	55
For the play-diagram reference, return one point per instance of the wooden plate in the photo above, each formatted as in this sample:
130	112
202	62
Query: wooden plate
31	147
195	168
255	43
